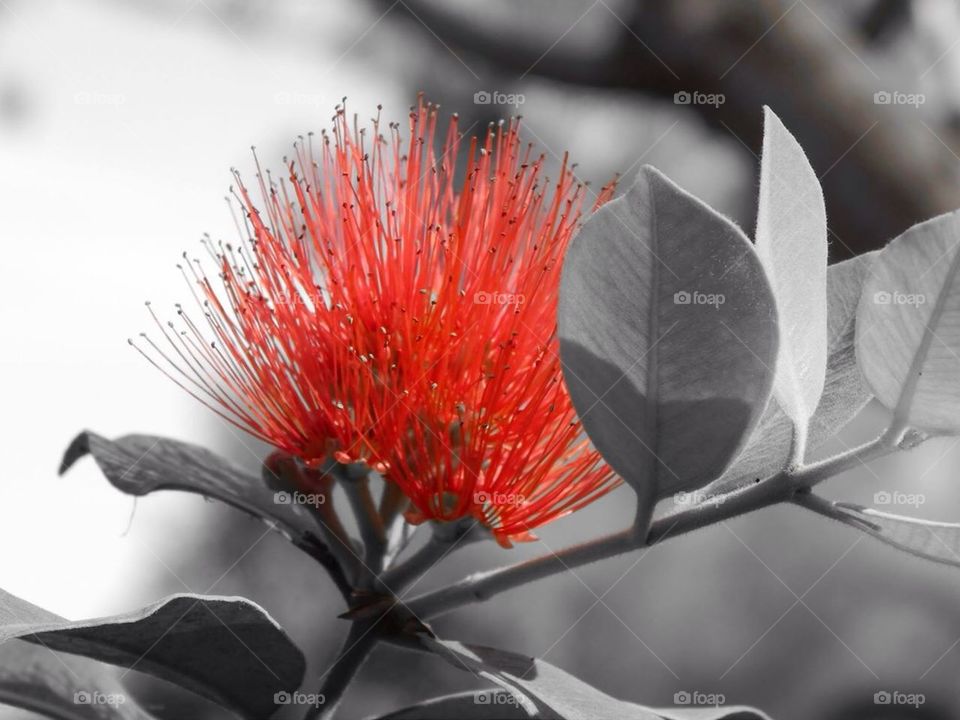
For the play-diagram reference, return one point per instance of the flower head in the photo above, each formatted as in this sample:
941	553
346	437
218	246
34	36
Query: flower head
381	311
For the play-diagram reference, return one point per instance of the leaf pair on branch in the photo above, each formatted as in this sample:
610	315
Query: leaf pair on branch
699	361
675	328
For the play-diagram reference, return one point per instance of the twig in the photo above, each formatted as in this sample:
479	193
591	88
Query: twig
372	533
322	554
822	506
392	503
283	472
775	489
360	641
817	472
338	540
444	538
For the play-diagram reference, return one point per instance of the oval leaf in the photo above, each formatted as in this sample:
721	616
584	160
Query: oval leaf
845	393
560	695
908	326
201	643
500	705
476	705
733	712
938	542
667	335
142	464
792	245
62	687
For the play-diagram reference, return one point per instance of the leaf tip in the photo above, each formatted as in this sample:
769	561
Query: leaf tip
772	121
650	173
77	448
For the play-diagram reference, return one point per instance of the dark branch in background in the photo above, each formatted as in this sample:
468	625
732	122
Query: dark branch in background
884	19
879	177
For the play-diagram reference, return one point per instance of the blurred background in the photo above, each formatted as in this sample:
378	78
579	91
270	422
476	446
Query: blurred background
118	124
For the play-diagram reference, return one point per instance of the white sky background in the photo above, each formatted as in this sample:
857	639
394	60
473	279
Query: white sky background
132	123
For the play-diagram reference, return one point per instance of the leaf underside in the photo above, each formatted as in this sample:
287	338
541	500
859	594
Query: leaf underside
668	385
142	464
202	643
938	542
62	687
554	693
908	326
845	392
792	245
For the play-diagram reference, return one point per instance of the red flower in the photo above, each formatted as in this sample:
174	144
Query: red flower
384	313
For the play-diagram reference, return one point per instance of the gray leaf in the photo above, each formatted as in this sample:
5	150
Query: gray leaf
792	245
559	695
62	687
668	336
142	464
733	712
228	650
476	705
908	326
844	395
927	539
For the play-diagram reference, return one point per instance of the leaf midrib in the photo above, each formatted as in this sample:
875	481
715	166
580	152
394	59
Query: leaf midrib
653	366
901	413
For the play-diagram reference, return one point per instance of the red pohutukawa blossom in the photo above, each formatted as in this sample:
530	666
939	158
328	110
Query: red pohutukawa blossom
380	311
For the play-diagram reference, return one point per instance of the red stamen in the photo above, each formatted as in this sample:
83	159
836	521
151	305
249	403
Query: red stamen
378	312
